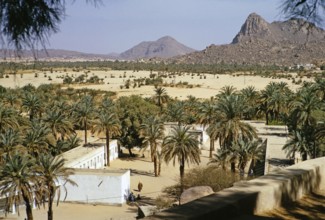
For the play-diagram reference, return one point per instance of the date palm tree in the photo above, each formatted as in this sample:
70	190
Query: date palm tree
52	172
250	95
230	128
319	86
36	140
176	112
33	104
297	143
8	118
153	132
18	181
209	116
266	94
183	146
59	123
109	124
9	141
84	113
160	97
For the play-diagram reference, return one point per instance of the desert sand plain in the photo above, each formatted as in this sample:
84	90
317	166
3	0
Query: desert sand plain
210	84
152	185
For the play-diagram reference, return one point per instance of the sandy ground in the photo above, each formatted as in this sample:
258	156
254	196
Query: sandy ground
142	170
209	86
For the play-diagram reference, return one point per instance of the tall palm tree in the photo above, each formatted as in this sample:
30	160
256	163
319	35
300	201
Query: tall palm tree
8	118
183	146
11	98
241	153
319	86
18	181
265	99
36	140
153	132
303	106
230	128
52	171
9	141
227	91
33	104
208	116
250	95
109	124
297	143
59	123
84	113
176	112
160	97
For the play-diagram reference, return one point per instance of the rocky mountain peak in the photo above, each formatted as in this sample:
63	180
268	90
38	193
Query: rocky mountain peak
290	42
254	25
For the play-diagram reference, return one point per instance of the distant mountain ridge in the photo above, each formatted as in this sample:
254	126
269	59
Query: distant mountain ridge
56	54
288	42
164	47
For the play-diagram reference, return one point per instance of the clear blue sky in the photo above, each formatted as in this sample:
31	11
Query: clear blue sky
118	25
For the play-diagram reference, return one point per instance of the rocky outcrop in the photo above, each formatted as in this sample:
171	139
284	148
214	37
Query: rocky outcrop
290	42
194	193
255	25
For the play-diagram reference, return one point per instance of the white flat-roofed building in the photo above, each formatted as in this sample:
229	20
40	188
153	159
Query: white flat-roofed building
92	156
98	186
96	183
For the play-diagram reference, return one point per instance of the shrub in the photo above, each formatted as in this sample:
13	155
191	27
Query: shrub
212	176
162	202
67	80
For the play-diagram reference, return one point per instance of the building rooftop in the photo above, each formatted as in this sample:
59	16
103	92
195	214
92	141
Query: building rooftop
101	172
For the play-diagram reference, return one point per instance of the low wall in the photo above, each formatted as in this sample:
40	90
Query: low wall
255	196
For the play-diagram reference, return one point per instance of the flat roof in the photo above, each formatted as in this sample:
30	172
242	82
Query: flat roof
101	172
76	153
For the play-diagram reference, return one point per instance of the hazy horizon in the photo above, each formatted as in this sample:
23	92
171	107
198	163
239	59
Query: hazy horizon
118	25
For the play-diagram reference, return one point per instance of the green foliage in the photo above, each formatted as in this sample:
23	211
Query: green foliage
131	112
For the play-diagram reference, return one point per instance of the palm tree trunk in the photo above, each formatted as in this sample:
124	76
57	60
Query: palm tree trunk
233	167
50	205
152	152
85	128
107	147
304	156
159	167
211	146
181	172
29	211
267	117
155	165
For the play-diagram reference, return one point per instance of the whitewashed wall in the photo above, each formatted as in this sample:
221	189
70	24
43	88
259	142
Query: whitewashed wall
98	187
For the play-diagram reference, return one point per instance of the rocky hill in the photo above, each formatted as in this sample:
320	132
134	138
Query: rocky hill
164	47
259	42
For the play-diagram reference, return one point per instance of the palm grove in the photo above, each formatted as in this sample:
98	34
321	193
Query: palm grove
38	124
